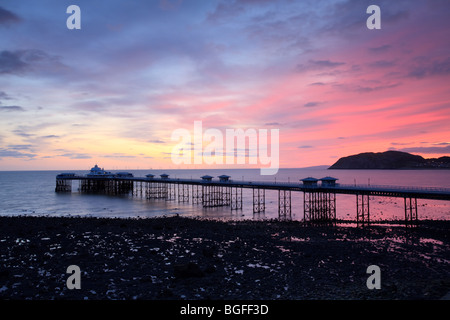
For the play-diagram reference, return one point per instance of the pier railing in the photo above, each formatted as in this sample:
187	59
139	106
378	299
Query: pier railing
391	187
278	184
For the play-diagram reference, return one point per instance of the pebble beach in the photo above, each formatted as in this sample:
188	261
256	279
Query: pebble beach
176	258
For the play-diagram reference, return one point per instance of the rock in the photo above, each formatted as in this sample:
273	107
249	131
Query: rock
187	270
4	274
209	252
165	293
210	269
146	278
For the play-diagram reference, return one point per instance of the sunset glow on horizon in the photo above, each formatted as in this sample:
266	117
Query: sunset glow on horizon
114	91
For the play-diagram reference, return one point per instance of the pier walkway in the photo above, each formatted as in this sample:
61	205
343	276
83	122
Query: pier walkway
319	195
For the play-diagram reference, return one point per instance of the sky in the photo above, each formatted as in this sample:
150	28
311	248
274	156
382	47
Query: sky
114	91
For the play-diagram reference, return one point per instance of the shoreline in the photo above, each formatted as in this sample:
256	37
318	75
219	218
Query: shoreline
178	258
338	222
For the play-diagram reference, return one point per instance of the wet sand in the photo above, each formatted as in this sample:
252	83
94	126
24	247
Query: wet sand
183	258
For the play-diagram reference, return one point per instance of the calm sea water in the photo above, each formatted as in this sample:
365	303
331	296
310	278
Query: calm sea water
33	193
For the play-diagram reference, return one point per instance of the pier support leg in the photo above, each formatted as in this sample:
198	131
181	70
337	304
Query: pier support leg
411	219
215	196
259	200
147	189
152	190
161	190
236	198
362	210
206	196
63	185
319	207
157	190
110	187
124	187
284	205
307	206
135	192
327	207
197	193
333	204
226	196
171	191
183	193
312	207
83	185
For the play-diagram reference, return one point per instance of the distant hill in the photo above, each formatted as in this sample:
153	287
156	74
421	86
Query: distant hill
390	160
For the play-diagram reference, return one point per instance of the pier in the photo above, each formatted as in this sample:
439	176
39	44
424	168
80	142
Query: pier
319	195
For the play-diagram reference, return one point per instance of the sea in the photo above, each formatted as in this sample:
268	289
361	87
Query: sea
32	193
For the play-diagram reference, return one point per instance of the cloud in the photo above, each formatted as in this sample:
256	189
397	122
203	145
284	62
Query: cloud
7	17
11	108
441	144
76	156
376	88
29	131
435	150
313	104
232	9
424	67
313	65
382	64
4	96
326	63
366	89
21	133
381	49
156	141
20	62
19	146
239	70
225	11
11	153
11	63
118	155
401	143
